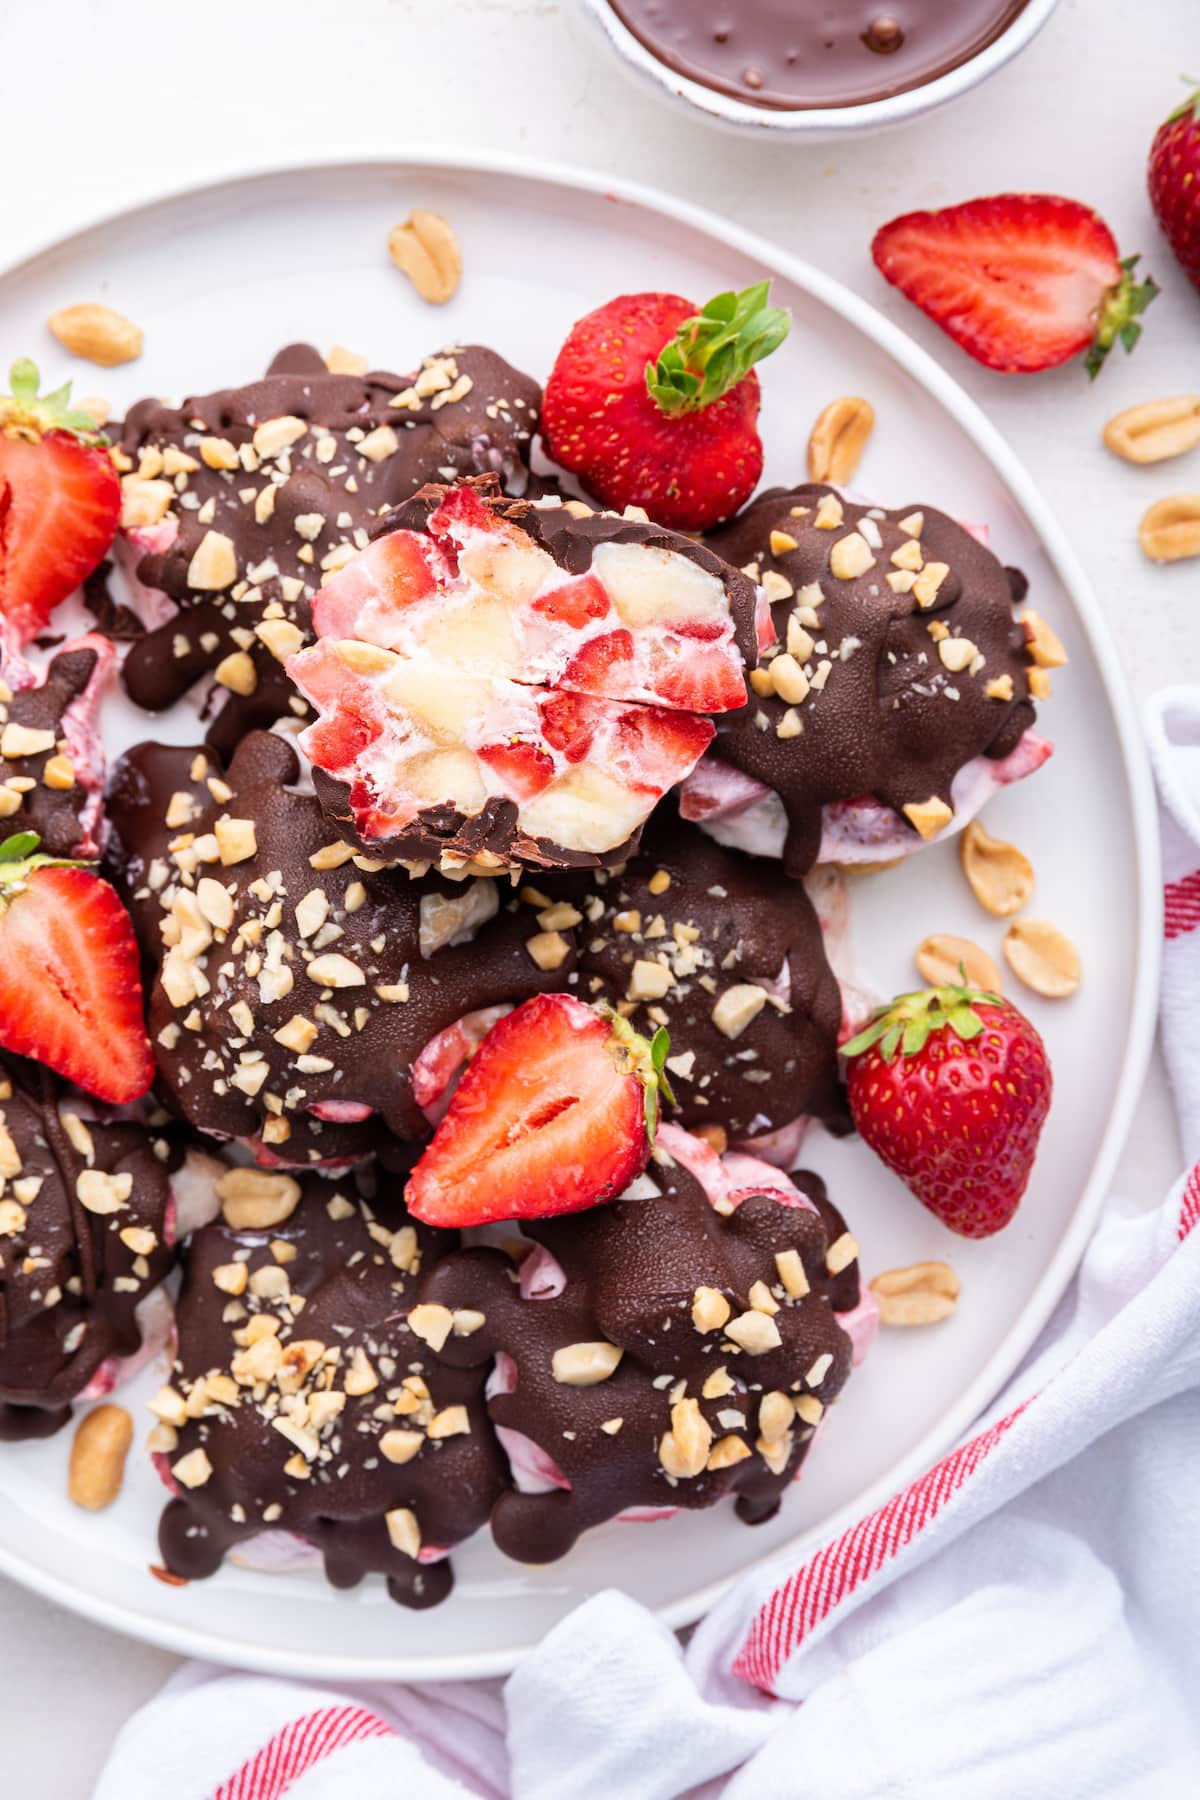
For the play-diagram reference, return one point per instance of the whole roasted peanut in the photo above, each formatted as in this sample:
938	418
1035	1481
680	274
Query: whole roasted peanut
1170	529
97	1467
426	250
921	1294
98	334
941	957
838	439
1001	876
1155	430
1043	957
255	1200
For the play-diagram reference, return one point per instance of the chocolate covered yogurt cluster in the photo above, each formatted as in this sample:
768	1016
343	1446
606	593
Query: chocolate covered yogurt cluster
674	1347
895	692
293	984
88	1229
304	1417
239	504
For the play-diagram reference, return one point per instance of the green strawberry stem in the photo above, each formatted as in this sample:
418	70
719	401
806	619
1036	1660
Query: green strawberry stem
908	1021
28	414
1190	105
19	860
714	351
1118	315
644	1057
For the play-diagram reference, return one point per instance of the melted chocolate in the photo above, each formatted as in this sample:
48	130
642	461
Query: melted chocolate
474	413
70	1284
355	1265
722	920
56	814
632	1270
892	721
363	1041
808	53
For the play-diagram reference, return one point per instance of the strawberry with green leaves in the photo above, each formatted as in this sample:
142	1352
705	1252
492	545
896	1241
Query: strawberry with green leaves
1021	282
1174	177
60	501
70	987
557	1111
950	1087
654	404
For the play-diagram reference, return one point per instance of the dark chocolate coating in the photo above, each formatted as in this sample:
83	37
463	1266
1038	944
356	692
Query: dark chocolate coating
752	921
355	1298
488	427
69	1286
571	541
632	1269
54	813
369	1060
891	722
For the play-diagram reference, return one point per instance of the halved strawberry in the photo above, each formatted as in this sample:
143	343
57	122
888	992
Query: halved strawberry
60	501
70	992
556	1112
1021	282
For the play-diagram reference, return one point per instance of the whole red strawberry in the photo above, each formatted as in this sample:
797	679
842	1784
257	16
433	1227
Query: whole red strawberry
951	1087
1175	183
60	501
1021	282
655	405
556	1112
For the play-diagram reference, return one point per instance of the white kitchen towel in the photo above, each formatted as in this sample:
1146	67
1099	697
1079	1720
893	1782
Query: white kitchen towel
1019	1622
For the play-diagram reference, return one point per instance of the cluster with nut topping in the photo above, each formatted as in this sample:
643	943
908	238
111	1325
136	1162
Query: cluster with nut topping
51	763
896	658
725	953
303	1398
296	983
657	1353
238	504
84	1238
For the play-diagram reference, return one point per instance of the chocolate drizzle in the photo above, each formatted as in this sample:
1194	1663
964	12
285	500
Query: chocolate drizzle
632	1270
347	1371
464	411
70	1283
357	1042
891	721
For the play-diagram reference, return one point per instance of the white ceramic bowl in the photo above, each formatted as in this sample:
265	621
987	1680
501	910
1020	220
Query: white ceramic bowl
815	123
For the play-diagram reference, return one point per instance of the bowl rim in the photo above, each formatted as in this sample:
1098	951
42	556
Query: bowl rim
867	115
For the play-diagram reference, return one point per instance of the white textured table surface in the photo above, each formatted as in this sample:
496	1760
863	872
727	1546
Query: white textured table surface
109	101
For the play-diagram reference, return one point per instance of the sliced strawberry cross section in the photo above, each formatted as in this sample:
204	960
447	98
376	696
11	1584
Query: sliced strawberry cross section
515	681
414	738
477	589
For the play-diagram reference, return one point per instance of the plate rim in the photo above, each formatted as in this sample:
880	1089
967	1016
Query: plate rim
208	1644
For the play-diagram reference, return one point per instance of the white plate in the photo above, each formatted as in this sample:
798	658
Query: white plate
220	278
